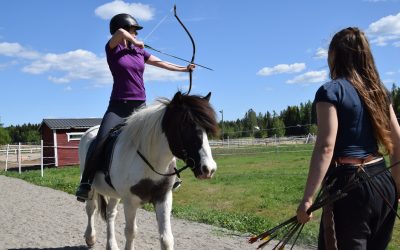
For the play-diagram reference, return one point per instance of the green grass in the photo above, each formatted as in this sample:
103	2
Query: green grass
249	192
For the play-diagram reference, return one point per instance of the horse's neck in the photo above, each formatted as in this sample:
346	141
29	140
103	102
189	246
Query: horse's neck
145	135
157	152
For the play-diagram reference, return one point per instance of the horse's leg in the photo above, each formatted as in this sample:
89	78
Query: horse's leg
163	213
111	214
91	208
130	209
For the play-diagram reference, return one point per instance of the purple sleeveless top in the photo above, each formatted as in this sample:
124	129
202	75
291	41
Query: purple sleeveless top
127	67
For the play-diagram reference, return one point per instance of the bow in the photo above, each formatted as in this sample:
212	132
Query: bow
193	45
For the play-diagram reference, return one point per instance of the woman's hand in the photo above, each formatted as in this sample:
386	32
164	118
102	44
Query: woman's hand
302	215
190	67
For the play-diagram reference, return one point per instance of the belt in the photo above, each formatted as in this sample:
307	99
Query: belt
354	161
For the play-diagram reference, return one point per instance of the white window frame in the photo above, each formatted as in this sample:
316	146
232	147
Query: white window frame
71	135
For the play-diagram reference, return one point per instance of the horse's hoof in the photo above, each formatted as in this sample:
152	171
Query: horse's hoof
90	241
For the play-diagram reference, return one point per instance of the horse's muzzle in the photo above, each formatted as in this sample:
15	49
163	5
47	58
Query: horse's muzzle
205	173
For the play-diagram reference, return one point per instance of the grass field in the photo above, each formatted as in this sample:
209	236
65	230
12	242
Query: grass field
252	190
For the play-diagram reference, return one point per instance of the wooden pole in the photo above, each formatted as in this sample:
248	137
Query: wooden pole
41	158
8	148
19	157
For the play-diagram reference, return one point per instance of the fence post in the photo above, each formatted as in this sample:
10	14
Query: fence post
41	158
8	148
276	143
19	157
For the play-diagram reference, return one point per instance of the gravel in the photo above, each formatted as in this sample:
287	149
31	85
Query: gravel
34	217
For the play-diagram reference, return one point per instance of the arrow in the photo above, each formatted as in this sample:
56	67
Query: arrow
149	47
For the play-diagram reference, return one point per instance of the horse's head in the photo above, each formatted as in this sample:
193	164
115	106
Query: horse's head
186	122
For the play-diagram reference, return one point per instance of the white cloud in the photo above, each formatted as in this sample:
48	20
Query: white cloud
8	64
16	50
388	81
310	77
385	30
58	79
74	65
68	88
396	44
321	53
138	10
282	68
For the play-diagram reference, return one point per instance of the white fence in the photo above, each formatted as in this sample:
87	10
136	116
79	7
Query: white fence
20	156
270	141
12	156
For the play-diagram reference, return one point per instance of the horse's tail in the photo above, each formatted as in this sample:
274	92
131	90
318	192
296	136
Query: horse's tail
102	206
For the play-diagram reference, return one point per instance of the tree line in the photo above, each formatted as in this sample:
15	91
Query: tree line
26	133
292	121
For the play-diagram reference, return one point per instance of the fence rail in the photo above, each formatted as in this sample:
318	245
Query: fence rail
32	155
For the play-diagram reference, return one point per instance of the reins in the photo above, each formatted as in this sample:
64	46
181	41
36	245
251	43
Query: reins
176	171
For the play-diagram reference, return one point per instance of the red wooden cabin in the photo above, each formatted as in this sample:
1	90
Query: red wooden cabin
61	139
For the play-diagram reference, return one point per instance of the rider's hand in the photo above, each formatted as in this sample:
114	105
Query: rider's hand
190	67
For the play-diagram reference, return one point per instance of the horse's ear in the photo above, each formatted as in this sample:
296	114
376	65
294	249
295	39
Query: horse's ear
177	97
207	97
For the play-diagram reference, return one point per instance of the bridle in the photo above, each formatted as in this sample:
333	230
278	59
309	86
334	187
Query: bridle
176	171
180	153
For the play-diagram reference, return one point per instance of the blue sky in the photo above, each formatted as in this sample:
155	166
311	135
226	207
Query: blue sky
266	55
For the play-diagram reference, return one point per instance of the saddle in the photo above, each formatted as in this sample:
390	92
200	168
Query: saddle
105	157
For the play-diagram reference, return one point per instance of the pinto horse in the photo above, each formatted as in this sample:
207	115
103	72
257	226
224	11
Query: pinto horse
142	169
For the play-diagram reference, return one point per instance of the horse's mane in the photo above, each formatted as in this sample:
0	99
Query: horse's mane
198	110
144	124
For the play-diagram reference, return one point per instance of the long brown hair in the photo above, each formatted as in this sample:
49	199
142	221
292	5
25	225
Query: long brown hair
350	57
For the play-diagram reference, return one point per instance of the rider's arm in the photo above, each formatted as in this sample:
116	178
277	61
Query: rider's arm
155	61
123	36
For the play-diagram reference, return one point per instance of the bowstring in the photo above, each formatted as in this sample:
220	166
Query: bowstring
158	24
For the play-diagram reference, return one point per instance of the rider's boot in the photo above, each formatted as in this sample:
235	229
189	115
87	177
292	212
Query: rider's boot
82	193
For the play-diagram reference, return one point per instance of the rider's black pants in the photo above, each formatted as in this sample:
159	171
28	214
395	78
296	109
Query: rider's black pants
362	220
116	114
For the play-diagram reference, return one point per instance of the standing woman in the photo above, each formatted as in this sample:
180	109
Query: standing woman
354	116
126	59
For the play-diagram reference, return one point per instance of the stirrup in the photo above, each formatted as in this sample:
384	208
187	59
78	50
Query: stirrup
177	184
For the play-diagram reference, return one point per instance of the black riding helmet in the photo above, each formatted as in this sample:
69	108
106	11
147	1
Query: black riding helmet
124	21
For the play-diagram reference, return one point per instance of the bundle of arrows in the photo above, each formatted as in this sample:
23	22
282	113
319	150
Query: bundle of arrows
289	230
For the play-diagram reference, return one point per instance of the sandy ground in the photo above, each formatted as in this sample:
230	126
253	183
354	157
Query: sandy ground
34	217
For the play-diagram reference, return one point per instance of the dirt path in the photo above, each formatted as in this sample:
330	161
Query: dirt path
34	217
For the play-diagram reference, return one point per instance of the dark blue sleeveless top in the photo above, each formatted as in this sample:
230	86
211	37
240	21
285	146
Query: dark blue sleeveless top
355	136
